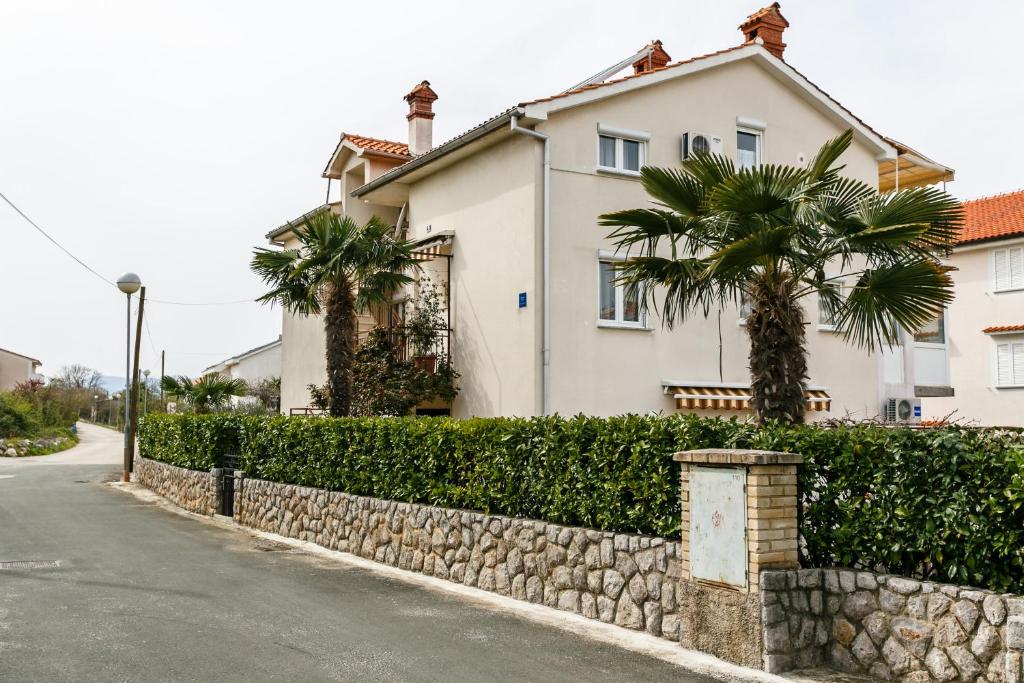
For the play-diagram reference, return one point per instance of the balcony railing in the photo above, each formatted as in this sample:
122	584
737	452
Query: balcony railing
408	348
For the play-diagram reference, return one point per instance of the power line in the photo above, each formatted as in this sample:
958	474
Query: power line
55	242
109	282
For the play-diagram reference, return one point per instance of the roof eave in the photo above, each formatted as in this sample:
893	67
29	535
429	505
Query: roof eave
438	152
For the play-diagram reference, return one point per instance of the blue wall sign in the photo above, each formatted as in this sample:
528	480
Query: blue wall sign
522	299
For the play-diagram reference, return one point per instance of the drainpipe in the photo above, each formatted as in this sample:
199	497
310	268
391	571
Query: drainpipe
546	261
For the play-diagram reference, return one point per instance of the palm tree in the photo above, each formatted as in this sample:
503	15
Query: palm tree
768	235
207	394
340	268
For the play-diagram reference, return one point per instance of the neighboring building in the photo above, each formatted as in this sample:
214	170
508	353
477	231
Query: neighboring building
16	368
984	326
256	364
506	216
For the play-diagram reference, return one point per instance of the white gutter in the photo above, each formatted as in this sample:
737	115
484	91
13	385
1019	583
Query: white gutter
546	261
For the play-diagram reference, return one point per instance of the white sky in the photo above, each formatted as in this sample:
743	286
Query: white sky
168	137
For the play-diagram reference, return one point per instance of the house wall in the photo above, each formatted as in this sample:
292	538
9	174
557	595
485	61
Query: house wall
14	369
266	363
972	352
604	371
490	200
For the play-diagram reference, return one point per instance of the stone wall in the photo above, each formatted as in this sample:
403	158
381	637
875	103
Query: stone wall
889	627
624	579
188	489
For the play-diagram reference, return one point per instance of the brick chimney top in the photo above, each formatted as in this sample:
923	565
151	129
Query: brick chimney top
421	101
655	59
767	24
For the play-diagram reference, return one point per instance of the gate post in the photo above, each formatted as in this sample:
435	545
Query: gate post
215	495
739	518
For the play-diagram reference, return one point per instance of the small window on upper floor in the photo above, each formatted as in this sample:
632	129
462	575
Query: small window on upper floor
1010	364
617	307
748	149
1008	268
933	332
621	151
826	317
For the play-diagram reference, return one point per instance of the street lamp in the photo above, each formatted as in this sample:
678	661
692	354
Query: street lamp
128	283
145	390
95	406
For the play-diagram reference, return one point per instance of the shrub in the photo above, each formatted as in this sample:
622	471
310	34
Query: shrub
18	416
943	504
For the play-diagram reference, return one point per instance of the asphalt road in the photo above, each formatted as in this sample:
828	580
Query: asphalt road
143	594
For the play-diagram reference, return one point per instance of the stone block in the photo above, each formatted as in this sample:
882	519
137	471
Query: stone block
1015	633
994	609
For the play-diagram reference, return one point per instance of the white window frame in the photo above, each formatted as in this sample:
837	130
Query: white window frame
843	292
741	320
620	134
1010	341
995	276
618	323
753	127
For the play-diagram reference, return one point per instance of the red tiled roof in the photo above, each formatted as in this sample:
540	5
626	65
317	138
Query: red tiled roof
377	145
995	217
1003	328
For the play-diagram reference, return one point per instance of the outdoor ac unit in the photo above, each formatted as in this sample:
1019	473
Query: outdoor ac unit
694	143
902	410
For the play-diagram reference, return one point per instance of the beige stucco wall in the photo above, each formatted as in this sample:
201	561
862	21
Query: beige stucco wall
607	371
490	201
972	352
14	369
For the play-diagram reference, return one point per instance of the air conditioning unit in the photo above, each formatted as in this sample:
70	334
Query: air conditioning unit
695	143
902	410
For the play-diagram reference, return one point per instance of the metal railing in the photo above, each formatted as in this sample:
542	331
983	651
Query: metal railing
408	348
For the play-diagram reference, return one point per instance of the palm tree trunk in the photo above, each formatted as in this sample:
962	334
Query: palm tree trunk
340	326
778	352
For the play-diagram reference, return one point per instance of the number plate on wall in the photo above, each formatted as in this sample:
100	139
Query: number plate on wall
718	523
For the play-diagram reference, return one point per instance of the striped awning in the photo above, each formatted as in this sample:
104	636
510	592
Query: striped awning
721	396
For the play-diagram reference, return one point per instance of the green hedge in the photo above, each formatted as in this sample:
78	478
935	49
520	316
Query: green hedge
943	504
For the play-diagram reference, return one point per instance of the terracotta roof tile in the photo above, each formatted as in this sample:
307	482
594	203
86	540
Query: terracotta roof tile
997	329
995	217
377	145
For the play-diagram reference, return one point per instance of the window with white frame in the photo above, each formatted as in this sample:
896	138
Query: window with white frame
1008	268
932	332
748	148
621	151
1010	364
746	307
826	318
617	307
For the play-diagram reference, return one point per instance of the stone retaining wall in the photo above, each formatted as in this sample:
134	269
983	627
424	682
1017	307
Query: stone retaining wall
890	627
623	579
188	489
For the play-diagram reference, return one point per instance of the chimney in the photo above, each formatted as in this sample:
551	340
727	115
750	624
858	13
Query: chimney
421	118
767	24
655	59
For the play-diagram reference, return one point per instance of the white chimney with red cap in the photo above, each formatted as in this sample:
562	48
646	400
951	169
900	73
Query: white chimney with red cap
421	118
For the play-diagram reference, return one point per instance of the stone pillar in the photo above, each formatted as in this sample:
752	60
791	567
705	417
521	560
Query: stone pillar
215	474
236	507
747	499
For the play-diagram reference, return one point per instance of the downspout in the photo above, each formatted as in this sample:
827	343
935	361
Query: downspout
546	264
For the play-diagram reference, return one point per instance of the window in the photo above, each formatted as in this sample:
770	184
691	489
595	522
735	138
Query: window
933	332
746	307
748	149
826	318
1008	268
621	151
1010	364
616	307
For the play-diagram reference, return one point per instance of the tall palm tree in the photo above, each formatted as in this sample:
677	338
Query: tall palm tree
207	394
340	268
769	235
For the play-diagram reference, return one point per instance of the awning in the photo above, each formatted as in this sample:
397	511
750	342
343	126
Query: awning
439	244
914	170
724	396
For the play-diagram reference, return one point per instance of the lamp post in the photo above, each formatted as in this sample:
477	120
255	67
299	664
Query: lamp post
128	283
145	390
95	406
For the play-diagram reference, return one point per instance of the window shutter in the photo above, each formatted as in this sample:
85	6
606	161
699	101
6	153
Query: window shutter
1016	267
1002	269
1018	364
1004	368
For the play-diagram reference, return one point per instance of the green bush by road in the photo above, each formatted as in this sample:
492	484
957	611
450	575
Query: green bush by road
944	504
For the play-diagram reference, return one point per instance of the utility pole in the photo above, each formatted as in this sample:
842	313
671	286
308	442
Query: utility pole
133	412
163	406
